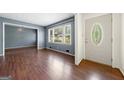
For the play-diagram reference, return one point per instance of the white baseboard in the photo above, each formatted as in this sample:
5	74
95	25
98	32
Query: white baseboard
20	47
122	71
60	51
77	63
40	48
119	67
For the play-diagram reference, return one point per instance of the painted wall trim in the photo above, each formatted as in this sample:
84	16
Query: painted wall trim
18	25
60	51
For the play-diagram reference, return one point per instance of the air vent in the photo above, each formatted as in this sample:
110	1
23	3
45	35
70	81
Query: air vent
67	50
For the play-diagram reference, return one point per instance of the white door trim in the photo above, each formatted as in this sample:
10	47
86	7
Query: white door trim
18	25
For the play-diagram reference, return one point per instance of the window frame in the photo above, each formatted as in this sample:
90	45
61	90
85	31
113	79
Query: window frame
64	35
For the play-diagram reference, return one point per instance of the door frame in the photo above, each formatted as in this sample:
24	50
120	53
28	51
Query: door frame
17	25
112	36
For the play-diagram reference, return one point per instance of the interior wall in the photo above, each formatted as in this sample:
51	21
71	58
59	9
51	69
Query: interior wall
116	27
62	47
122	44
18	37
79	39
41	32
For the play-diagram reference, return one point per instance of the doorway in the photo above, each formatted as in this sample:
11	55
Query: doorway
20	31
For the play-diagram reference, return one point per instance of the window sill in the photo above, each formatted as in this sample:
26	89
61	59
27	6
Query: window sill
60	44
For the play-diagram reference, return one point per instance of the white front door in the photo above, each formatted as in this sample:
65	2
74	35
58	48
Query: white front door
98	35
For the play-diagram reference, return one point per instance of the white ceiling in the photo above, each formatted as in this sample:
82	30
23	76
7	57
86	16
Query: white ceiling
42	19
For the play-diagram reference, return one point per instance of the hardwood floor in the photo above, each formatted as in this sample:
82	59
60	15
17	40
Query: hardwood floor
30	64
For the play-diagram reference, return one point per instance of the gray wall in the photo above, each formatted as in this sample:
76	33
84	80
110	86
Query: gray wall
14	38
41	31
61	47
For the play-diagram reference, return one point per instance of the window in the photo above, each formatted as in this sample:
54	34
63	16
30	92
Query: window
67	34
60	34
51	35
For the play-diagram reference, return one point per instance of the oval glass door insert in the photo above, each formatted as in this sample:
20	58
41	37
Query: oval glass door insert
97	34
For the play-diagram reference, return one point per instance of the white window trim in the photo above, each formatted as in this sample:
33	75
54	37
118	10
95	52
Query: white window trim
69	34
63	43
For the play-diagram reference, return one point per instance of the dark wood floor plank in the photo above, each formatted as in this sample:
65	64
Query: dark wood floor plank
31	64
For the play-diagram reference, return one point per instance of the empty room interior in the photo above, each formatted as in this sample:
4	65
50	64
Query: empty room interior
61	46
